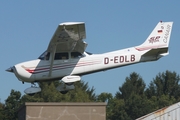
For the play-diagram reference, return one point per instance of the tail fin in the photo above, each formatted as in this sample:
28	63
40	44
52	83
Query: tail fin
159	37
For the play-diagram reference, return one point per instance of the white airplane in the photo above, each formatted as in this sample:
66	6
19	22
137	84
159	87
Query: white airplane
66	59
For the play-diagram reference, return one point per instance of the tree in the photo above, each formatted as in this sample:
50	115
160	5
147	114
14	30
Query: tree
166	83
104	97
1	111
165	100
12	103
118	111
82	92
133	84
130	99
138	105
108	98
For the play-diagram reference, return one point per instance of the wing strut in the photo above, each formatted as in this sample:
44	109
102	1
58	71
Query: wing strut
52	60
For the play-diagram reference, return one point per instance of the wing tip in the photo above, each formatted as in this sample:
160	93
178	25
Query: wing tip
71	23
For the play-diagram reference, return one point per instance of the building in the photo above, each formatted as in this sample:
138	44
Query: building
167	113
62	111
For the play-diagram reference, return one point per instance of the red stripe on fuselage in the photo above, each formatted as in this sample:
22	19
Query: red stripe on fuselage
64	66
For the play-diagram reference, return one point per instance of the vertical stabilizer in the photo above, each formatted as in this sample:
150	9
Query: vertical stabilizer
159	37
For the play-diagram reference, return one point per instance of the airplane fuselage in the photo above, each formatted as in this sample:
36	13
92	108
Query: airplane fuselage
65	58
38	70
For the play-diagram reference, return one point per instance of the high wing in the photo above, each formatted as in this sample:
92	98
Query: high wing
68	37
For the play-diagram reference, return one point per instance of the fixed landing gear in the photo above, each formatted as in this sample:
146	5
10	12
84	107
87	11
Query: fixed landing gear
64	88
63	92
32	90
31	94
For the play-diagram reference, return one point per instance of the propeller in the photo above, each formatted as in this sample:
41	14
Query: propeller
11	69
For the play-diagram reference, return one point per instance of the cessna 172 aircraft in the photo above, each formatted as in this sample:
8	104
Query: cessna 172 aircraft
66	59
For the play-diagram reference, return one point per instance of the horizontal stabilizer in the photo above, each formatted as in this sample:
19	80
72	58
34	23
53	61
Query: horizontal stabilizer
156	52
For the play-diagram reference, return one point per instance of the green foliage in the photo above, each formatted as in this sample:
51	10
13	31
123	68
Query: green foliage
164	90
104	97
79	94
132	95
82	93
2	111
137	106
49	93
12	103
108	98
165	83
131	101
133	84
118	110
165	100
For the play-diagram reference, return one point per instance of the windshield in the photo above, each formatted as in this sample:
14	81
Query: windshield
88	53
44	56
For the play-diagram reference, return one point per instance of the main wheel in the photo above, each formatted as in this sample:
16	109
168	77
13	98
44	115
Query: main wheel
64	92
31	94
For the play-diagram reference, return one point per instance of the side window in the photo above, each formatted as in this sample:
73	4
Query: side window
61	56
76	55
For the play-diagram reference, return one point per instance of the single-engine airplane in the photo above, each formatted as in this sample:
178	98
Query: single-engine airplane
66	59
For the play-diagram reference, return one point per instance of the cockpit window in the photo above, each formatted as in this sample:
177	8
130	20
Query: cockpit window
88	53
76	55
44	56
61	56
